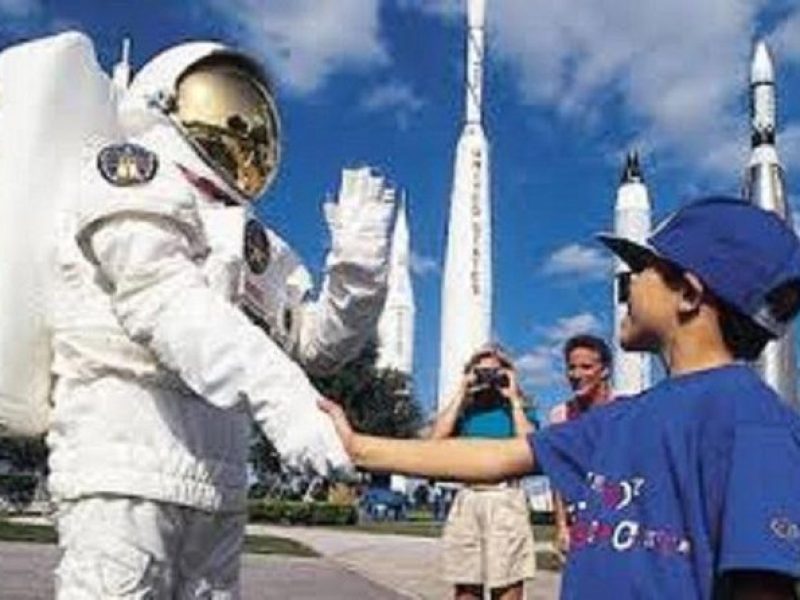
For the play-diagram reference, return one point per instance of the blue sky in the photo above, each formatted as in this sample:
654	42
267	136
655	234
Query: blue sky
571	86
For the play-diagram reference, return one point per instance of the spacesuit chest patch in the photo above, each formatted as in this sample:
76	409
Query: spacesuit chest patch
256	247
127	164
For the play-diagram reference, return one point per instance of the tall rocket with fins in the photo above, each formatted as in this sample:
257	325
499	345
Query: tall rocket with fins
396	324
467	282
764	187
631	220
121	76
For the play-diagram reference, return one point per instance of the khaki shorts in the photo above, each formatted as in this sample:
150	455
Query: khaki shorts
488	539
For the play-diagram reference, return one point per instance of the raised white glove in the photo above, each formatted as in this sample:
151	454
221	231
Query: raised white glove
335	327
360	221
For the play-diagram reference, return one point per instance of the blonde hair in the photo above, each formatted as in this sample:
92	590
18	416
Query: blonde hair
494	350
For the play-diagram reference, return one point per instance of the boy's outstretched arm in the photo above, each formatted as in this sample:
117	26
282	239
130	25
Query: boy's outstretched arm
454	459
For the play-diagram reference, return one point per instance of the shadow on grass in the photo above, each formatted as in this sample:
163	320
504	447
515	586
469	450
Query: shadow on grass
267	544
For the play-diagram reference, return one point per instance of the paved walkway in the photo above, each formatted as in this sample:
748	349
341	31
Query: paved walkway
26	573
353	565
406	564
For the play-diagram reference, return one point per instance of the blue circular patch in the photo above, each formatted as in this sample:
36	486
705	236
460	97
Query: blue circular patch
127	164
256	247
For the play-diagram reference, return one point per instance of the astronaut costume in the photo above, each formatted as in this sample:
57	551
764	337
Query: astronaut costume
158	374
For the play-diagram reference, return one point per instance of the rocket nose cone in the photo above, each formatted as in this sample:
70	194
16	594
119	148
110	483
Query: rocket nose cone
476	12
761	69
632	172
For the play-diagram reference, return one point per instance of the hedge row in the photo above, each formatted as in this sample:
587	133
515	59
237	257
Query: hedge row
302	513
17	488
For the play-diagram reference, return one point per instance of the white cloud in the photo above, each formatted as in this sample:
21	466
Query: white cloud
785	46
789	145
423	265
307	41
20	9
578	261
794	210
442	8
543	365
785	40
675	68
538	367
725	156
566	327
675	71
25	17
393	96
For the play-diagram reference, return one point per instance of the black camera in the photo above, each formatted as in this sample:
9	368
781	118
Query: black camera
490	378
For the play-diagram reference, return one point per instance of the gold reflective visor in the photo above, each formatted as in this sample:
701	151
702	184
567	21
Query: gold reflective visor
229	116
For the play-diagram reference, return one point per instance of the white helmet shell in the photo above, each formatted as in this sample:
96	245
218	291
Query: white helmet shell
155	83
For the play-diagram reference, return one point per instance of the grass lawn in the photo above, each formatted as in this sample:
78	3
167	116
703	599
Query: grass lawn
253	544
24	532
417	528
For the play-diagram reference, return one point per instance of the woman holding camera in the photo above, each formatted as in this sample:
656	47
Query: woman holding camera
487	539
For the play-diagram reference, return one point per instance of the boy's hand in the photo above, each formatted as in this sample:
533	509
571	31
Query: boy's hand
561	543
340	424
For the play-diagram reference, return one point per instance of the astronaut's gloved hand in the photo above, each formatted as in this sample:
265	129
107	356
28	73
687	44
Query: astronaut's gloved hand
361	219
313	445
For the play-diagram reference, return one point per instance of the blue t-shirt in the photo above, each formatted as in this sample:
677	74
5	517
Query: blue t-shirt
675	486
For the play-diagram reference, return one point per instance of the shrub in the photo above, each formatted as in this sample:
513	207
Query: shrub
301	513
542	518
325	513
18	489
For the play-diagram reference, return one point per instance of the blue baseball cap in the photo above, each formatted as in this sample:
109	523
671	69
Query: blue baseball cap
746	256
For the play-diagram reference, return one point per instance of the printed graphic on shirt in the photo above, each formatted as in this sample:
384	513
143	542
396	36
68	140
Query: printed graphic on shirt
785	529
613	530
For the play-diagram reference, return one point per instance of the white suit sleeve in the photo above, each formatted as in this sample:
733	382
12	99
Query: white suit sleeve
334	328
162	301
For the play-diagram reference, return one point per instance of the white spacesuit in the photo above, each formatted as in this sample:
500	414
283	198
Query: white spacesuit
158	373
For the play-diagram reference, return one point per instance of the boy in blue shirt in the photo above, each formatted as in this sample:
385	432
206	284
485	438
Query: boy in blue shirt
690	489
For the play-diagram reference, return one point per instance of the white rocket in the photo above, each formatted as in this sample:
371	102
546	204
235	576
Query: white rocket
121	76
467	283
631	220
396	324
764	187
